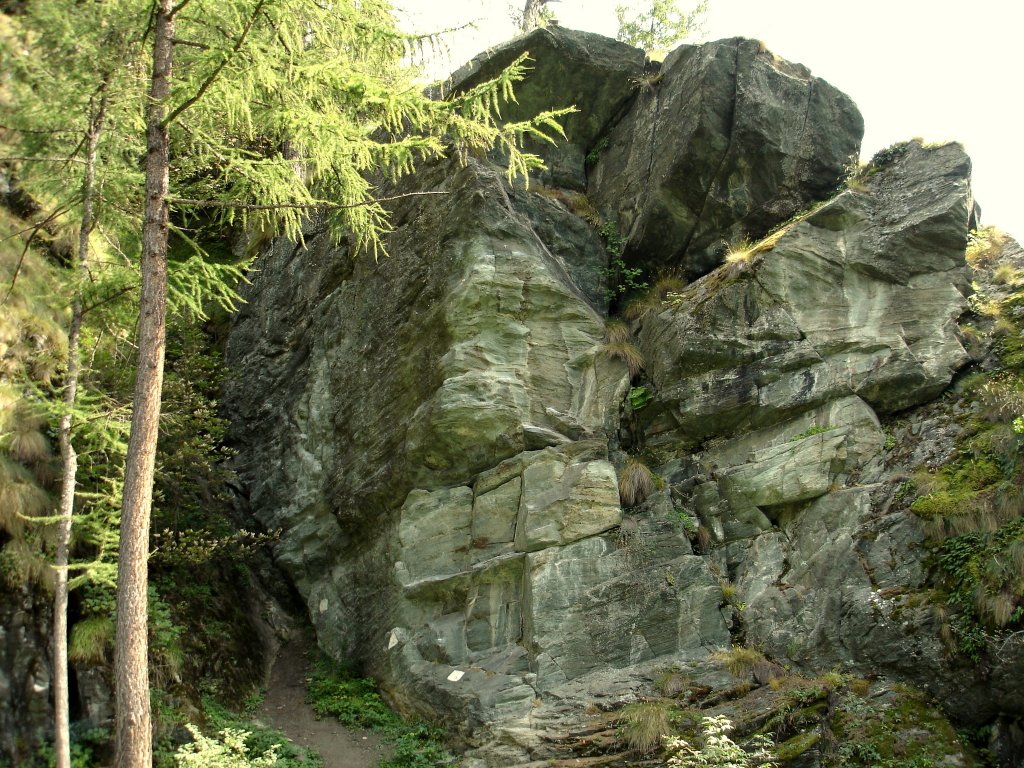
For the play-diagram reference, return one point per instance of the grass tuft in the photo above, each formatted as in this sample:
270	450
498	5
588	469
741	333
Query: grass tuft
627	352
636	482
645	724
740	660
91	638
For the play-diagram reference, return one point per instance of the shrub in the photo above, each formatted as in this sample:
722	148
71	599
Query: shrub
718	749
229	751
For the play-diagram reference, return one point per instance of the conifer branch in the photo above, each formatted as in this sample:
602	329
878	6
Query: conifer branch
216	70
316	204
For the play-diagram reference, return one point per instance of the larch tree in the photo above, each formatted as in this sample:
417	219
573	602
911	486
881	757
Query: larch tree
267	111
263	112
657	25
59	116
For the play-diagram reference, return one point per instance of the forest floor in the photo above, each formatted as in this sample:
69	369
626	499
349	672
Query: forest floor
285	708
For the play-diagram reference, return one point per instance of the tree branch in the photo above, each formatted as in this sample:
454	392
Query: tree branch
61	160
217	70
319	204
179	7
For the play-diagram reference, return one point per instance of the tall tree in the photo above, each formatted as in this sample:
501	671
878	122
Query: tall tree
533	14
84	64
243	93
657	25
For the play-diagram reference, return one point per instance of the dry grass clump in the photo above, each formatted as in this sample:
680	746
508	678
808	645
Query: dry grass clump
984	247
740	660
615	331
627	352
636	482
21	498
666	284
645	724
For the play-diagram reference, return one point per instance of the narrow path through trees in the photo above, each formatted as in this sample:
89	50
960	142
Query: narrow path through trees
285	709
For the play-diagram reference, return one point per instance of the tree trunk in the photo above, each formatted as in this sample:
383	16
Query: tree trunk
69	458
531	14
134	732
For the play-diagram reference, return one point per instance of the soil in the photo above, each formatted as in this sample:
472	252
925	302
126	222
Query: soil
285	709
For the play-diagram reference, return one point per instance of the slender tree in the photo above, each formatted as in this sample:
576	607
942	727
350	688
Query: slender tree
259	113
243	93
657	25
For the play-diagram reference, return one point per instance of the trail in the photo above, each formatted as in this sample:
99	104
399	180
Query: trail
285	709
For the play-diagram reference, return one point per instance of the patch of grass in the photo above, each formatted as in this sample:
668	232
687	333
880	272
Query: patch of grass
815	429
740	660
355	702
91	639
645	724
636	482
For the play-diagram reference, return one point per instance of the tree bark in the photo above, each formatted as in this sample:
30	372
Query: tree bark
69	457
131	657
531	14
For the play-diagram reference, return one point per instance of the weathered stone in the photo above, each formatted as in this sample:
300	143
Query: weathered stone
748	348
26	713
727	141
595	74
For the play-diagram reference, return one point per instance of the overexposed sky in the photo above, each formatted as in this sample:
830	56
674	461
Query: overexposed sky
936	69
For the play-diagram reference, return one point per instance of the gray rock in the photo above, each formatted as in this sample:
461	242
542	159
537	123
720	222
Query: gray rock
727	141
26	714
595	74
848	302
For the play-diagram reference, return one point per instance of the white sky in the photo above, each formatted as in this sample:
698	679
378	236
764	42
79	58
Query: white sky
938	69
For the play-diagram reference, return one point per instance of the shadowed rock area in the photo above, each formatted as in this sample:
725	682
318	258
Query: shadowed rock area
443	435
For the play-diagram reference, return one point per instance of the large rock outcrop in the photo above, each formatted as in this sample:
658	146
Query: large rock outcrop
441	435
725	142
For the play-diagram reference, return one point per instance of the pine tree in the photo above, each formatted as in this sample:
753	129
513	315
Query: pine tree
657	27
263	112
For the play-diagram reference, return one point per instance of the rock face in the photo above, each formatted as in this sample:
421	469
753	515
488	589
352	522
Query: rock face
726	141
441	435
25	672
593	73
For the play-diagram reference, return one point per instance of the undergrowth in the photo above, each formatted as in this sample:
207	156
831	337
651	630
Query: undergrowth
356	703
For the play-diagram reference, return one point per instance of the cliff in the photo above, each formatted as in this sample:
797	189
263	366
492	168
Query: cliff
520	515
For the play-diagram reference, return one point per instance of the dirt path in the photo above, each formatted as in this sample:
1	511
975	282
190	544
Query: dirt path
285	709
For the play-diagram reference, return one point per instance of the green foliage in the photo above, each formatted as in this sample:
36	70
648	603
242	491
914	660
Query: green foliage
228	750
639	397
259	739
355	702
91	640
658	25
597	150
898	731
621	279
717	749
88	749
815	429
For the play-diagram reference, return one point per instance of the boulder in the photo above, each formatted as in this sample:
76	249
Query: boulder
568	68
727	141
859	298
